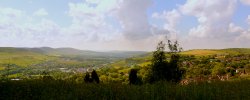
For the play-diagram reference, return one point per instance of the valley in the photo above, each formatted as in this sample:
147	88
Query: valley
65	63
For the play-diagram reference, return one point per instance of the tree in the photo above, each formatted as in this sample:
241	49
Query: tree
95	77
87	78
133	78
218	69
163	69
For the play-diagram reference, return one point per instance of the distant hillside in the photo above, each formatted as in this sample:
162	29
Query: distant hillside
201	52
88	53
70	52
29	56
146	58
20	56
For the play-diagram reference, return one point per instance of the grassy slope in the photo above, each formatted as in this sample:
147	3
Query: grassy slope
146	58
141	60
205	52
27	56
202	52
20	57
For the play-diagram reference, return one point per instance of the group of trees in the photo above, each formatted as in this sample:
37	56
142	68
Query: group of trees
91	78
212	66
162	69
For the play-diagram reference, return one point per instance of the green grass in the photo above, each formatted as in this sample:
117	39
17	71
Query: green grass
64	90
205	52
2	68
22	59
201	52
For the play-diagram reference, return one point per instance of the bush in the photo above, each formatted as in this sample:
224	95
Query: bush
133	79
218	69
95	77
87	78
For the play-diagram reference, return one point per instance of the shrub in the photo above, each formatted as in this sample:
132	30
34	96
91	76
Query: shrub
95	77
133	78
87	78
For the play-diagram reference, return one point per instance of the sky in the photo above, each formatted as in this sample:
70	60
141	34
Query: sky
125	24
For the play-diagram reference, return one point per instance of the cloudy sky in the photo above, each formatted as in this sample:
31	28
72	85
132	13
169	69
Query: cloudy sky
124	24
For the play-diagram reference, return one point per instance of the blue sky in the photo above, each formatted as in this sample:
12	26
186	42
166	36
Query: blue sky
124	24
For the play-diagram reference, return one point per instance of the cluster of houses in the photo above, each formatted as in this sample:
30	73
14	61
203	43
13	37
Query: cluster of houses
78	70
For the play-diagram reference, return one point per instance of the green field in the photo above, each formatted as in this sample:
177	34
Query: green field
22	59
205	52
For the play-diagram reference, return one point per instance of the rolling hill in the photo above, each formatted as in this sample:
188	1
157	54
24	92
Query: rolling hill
28	56
204	52
85	53
146	58
69	52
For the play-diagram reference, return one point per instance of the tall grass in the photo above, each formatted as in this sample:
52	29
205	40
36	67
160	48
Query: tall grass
68	90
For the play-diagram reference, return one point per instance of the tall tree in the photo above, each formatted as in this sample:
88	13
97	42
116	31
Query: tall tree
175	72
162	69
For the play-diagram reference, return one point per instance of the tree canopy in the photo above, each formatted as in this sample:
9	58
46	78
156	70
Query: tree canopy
164	68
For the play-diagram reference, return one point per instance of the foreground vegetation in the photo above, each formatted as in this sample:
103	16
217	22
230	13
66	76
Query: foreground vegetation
61	90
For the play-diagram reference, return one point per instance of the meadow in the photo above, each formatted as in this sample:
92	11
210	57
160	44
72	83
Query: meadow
65	90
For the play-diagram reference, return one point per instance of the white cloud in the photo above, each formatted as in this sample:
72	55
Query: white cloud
125	25
93	1
17	28
92	27
215	28
90	22
9	16
41	12
248	19
245	35
93	30
8	19
170	19
214	16
132	15
246	2
235	29
42	33
10	12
